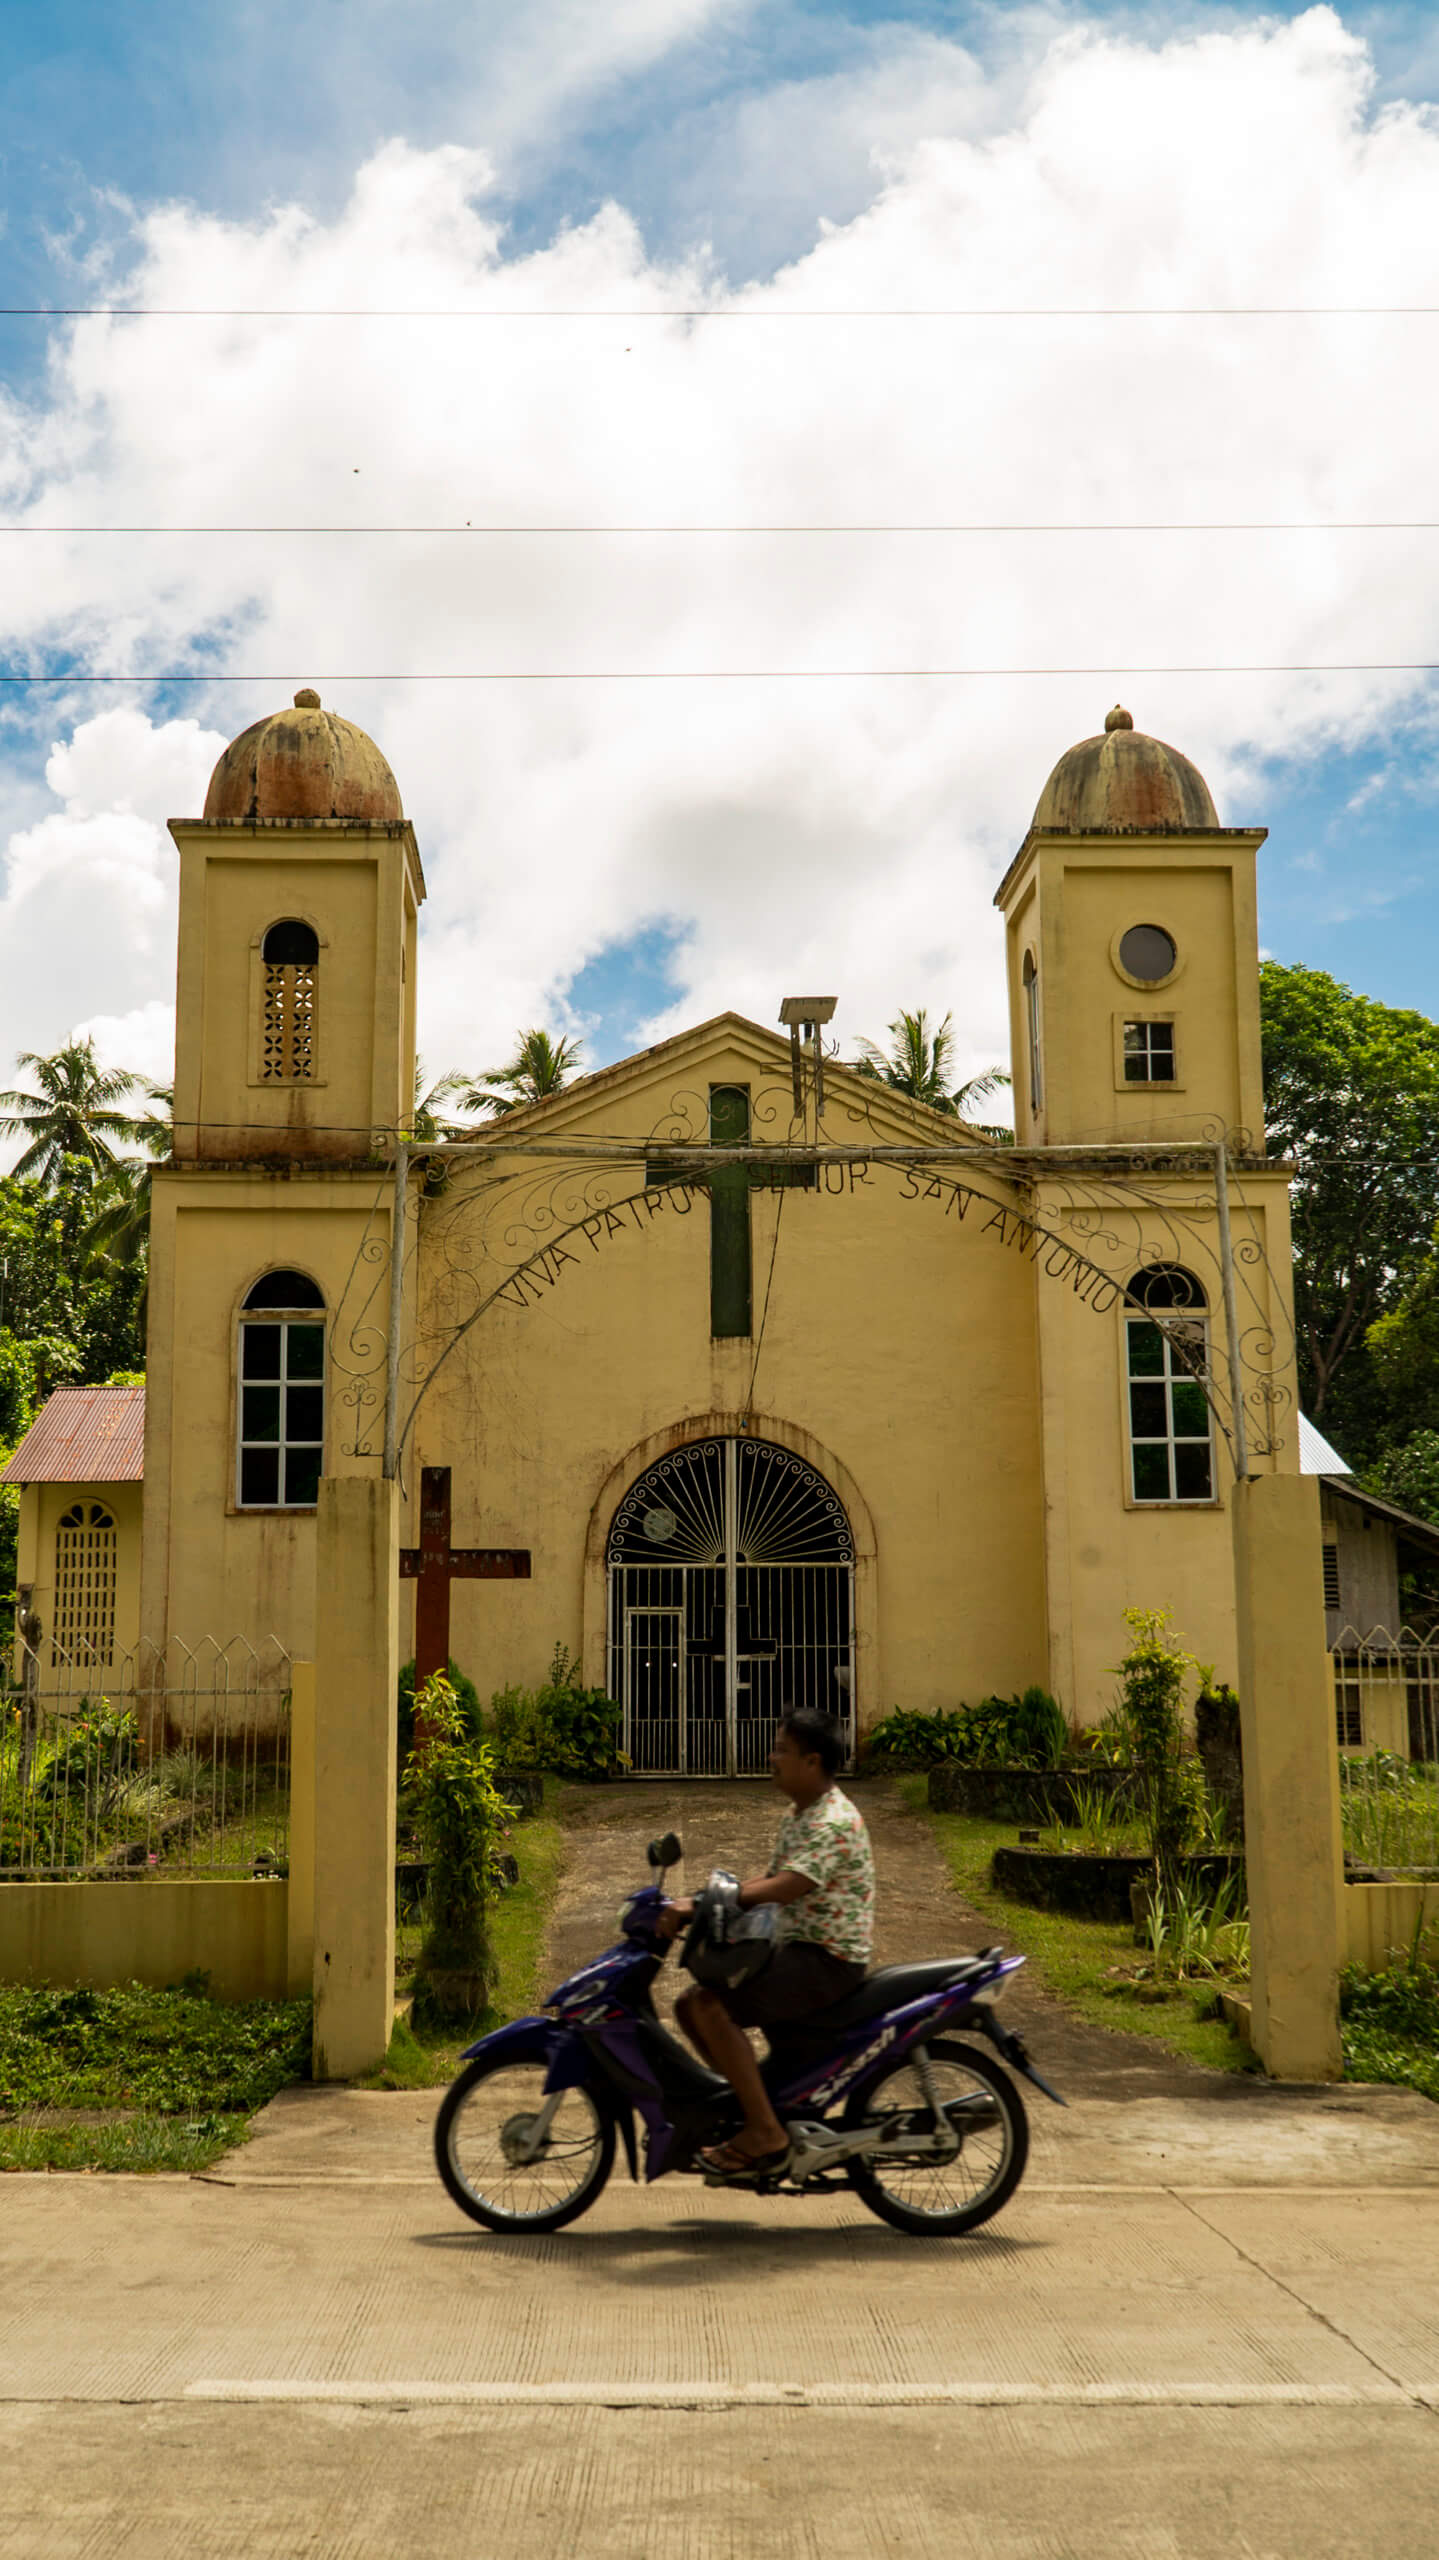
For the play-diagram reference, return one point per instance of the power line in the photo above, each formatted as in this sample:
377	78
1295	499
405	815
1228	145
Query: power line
727	311
1385	524
735	675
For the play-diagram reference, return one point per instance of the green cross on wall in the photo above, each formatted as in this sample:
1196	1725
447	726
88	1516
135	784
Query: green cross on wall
729	1187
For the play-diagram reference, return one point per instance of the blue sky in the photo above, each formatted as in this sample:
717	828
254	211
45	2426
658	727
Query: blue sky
736	138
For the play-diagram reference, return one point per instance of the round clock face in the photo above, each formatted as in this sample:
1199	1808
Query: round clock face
660	1526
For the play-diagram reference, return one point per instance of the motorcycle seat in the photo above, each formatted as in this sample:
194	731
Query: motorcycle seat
891	1986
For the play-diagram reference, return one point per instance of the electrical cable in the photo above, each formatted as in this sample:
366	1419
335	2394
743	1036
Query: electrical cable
1378	524
734	675
729	311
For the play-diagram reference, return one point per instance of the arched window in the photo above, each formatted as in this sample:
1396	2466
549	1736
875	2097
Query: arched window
281	1394
86	1557
1030	974
290	954
1171	1438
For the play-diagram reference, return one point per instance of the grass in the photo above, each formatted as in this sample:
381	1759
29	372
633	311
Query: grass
137	2078
518	1921
1077	1959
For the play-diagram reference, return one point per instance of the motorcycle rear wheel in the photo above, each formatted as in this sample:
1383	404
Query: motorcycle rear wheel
480	2131
940	2198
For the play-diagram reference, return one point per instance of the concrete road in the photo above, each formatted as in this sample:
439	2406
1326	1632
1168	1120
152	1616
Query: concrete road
1206	2328
313	2354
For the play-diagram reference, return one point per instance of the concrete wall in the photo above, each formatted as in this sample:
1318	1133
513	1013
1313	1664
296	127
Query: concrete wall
211	1569
358	886
150	1931
1380	1921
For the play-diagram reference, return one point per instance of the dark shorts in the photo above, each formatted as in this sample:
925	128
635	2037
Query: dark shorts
799	1980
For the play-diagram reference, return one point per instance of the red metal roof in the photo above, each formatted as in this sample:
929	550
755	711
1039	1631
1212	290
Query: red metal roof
83	1435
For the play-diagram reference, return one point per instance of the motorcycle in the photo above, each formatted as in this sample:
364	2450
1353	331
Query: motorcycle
876	2095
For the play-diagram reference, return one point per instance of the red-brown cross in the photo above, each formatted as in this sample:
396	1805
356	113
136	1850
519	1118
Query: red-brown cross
435	1564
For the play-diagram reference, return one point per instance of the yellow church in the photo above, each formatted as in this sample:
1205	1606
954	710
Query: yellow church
781	1385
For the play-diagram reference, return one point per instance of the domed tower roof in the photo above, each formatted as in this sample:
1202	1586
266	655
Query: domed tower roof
303	763
1124	781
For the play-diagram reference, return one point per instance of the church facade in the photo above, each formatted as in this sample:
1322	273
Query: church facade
788	1386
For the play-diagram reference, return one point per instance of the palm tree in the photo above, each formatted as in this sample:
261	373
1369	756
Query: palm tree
429	1123
73	1116
117	1228
919	1062
540	1066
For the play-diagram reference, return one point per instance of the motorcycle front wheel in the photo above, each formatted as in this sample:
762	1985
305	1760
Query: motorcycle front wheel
916	2190
490	2163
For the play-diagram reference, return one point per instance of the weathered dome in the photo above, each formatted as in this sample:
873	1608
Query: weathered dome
1124	780
304	763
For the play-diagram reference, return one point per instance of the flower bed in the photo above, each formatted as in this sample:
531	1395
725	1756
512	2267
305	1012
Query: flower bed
1095	1886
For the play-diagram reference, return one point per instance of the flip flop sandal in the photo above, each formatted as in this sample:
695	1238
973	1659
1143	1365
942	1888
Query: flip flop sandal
748	2167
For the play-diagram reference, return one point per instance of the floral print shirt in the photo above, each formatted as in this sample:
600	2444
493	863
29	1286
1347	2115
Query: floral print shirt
829	1843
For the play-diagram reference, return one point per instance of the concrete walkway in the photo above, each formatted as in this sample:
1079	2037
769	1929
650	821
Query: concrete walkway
1208	2325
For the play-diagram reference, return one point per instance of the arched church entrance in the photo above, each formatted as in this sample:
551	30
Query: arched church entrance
731	1597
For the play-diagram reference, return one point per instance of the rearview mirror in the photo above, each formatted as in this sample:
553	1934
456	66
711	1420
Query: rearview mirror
666	1852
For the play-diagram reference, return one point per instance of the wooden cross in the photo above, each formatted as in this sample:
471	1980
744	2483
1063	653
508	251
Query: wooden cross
435	1564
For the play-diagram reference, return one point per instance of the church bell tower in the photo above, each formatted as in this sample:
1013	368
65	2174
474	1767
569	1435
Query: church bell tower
299	895
1132	954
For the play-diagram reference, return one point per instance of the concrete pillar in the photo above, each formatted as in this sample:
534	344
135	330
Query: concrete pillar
356	1668
300	1925
1292	1836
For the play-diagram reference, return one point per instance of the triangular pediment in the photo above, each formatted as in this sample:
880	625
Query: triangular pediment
662	1093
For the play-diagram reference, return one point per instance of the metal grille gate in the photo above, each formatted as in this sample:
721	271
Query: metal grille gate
731	1598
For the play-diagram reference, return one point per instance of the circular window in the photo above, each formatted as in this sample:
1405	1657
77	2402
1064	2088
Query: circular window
1147	952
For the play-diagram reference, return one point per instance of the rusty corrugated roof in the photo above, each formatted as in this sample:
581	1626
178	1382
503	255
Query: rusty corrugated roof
83	1435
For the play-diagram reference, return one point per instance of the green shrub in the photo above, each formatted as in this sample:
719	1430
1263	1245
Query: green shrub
462	1821
466	1693
1147	1720
1027	1731
561	1726
1390	2023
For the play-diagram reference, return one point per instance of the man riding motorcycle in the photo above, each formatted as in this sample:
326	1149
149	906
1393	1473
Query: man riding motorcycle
822	1878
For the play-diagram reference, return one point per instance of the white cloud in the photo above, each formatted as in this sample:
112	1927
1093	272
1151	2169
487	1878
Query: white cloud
87	893
846	835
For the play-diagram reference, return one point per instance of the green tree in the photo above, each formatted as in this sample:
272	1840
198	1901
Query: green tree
920	1062
73	1116
540	1066
1410	1476
117	1229
1351	1092
1404	1348
430	1123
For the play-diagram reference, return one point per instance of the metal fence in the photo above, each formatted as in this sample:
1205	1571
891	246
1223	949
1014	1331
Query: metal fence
1386	1722
173	1760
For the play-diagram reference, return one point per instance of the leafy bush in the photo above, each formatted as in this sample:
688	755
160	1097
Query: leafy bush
174	2052
466	1694
561	1726
908	1740
1027	1731
1147	1719
462	1820
1390	2023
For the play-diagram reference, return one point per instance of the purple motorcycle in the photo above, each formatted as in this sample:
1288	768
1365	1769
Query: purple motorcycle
877	2095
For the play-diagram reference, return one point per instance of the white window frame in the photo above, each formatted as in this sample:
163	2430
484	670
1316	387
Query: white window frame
284	1318
1173	1372
1147	1024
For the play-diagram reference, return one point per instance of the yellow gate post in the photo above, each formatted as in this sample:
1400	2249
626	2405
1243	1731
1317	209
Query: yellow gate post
300	1929
1292	1841
356	1670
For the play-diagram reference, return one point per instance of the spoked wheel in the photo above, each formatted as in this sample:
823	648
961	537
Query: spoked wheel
949	2177
507	2169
